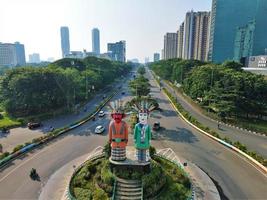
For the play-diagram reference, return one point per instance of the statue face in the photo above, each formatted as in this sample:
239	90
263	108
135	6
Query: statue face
117	117
143	117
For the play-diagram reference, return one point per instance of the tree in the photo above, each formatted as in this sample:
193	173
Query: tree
141	70
139	86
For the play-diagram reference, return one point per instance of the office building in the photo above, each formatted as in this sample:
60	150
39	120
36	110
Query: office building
189	35
96	42
75	54
194	43
20	53
12	54
201	37
34	58
170	46
238	29
156	57
256	62
65	41
180	41
117	51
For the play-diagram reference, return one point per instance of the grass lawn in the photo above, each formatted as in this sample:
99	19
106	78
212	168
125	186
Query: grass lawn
8	122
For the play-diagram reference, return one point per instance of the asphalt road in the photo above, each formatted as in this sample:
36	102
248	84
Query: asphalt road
253	142
237	178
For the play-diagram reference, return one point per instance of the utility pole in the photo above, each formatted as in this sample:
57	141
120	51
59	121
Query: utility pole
86	85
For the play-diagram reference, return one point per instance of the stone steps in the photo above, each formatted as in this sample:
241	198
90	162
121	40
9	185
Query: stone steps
128	189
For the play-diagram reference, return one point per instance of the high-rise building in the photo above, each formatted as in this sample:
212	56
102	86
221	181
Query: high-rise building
34	58
96	42
202	30
156	57
65	41
12	54
170	45
20	53
189	35
180	41
117	51
238	29
195	36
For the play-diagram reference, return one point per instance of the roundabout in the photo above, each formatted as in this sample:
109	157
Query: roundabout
98	178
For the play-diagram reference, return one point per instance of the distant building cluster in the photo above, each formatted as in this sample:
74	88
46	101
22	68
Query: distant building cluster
12	55
115	51
191	40
233	30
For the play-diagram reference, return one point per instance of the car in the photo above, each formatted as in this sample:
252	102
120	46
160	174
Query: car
156	126
101	113
4	131
32	125
104	96
99	129
122	93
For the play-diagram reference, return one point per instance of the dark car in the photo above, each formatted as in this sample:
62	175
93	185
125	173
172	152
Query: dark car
4	131
156	126
32	125
122	93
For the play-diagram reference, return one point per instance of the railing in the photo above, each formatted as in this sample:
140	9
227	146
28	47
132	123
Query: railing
169	154
114	190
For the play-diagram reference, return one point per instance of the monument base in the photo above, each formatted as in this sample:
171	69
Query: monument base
130	163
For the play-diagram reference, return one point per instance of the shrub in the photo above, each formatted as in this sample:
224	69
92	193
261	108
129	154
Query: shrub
107	150
152	151
3	155
82	194
99	194
106	175
18	147
1	116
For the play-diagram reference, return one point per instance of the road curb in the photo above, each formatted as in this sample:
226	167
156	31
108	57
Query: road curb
254	162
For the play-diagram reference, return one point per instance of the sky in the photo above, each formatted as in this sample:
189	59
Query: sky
141	23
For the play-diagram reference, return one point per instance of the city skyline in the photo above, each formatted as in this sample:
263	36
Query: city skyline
38	23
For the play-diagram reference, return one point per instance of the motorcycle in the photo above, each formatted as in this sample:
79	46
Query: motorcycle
34	175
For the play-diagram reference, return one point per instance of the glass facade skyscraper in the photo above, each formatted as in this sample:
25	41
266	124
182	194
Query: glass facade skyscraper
65	41
238	29
95	41
117	51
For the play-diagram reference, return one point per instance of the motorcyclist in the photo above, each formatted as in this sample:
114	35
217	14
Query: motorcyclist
33	172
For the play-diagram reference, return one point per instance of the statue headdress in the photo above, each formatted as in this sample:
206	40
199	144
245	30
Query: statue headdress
117	106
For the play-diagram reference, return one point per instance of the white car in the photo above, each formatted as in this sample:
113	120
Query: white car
101	113
99	129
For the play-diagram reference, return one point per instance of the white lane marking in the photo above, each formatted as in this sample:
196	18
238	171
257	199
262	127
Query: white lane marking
48	147
232	151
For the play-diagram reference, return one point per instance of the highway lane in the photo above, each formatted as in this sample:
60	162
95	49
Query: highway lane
253	142
237	178
14	180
